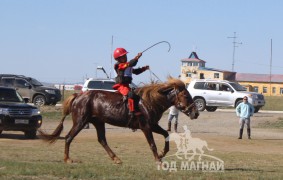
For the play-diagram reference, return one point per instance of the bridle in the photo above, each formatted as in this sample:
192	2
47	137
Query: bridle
174	93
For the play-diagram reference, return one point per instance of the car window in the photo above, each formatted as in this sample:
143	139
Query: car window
100	85
94	84
224	87
9	82
107	85
21	83
199	85
9	95
210	86
35	82
237	86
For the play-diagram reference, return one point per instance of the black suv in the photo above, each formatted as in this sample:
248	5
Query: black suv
32	89
16	115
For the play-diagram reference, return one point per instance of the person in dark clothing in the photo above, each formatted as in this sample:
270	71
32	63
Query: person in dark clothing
124	70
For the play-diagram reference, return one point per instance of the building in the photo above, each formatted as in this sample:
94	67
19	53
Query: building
194	68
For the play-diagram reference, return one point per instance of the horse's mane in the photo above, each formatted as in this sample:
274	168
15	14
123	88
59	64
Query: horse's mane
150	93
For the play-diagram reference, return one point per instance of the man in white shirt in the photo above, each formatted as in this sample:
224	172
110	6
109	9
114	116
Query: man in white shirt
173	112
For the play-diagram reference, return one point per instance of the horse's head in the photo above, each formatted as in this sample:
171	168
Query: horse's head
179	96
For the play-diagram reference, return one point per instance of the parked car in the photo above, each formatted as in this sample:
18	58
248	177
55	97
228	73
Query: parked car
210	94
32	89
100	84
17	115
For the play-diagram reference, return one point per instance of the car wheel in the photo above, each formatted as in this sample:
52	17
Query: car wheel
39	100
238	102
30	134
211	108
200	103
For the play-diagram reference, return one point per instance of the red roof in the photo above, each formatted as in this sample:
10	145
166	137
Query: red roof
259	77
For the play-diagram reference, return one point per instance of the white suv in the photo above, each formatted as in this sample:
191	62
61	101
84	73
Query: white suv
210	94
101	84
98	84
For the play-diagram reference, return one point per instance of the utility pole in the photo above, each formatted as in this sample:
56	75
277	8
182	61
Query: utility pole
270	68
234	46
111	56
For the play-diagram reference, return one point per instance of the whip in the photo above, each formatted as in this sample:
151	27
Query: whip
156	44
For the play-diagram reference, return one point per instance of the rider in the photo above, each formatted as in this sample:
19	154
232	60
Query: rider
124	70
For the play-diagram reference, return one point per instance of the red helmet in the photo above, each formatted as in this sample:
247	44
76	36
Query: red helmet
119	52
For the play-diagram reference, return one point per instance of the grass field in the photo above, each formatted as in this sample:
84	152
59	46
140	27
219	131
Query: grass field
34	160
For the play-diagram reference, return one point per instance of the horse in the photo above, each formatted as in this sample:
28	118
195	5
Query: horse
99	107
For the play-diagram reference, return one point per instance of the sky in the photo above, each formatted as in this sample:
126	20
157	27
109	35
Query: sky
63	41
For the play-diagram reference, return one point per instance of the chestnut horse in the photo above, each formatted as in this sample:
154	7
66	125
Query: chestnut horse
100	107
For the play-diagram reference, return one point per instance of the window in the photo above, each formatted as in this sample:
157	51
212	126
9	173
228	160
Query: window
189	74
255	88
210	86
21	83
224	87
8	82
201	76
264	89
216	75
273	90
281	90
199	85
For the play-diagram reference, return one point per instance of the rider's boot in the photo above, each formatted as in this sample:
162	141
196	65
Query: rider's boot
131	111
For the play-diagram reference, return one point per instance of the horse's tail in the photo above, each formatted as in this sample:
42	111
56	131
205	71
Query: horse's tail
67	109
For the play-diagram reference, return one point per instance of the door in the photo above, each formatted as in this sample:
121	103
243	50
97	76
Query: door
224	95
23	87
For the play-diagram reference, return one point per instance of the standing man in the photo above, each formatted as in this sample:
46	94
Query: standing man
173	112
245	110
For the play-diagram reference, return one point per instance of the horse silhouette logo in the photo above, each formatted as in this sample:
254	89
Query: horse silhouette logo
187	145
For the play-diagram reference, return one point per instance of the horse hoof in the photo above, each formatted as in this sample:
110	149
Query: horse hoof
117	160
159	163
68	161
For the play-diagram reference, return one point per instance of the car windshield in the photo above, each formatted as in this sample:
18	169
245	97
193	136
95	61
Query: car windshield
101	85
237	86
10	95
35	82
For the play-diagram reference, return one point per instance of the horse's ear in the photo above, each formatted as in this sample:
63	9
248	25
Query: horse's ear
165	90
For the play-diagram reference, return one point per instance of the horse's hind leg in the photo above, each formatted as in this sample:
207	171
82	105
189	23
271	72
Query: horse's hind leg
77	127
100	129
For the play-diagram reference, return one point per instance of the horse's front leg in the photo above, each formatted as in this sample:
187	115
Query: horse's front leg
159	130
149	137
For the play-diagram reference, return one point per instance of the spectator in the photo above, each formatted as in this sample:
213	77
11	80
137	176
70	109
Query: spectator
245	110
173	112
